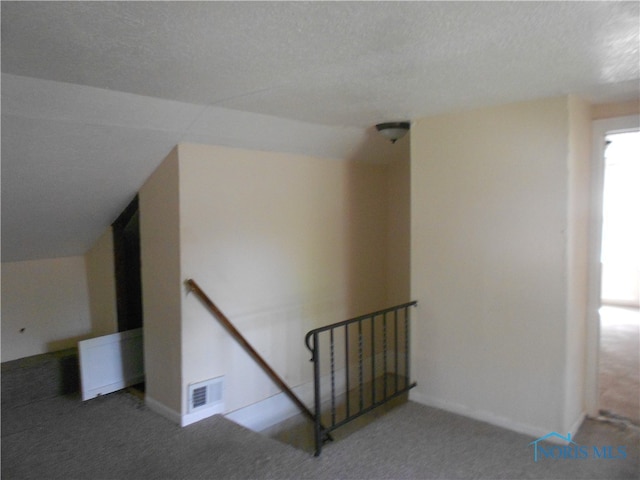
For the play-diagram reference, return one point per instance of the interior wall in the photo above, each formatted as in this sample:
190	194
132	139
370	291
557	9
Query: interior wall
45	306
399	229
281	243
579	202
613	110
161	287
101	285
489	208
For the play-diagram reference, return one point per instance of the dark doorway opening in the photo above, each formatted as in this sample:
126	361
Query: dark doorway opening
126	246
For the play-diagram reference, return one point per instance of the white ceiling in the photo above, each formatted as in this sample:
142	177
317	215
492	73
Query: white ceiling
95	94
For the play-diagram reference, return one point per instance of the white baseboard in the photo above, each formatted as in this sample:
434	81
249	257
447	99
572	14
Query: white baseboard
194	417
576	425
182	420
484	416
256	417
264	414
162	409
278	408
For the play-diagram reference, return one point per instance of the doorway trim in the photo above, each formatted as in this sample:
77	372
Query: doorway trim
600	129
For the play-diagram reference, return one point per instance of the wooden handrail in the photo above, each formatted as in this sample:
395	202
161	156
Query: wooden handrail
193	287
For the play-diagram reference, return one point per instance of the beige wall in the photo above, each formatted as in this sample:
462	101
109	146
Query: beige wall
578	213
612	110
102	285
282	243
49	300
490	194
399	201
161	285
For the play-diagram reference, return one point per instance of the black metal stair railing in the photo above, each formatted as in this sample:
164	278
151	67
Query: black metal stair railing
358	365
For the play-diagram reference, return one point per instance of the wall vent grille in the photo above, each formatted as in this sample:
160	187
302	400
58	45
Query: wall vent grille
205	394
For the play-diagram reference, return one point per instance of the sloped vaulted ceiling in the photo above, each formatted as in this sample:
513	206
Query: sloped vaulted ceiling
95	94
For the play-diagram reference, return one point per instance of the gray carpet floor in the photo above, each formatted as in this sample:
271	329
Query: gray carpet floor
620	361
117	437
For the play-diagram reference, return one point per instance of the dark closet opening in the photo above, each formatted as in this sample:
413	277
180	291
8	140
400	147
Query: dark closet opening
126	250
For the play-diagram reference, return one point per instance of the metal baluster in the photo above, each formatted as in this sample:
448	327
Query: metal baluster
384	354
406	346
386	392
333	380
360	365
373	360
316	381
347	373
395	339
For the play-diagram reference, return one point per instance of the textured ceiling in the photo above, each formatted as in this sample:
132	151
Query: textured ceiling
95	94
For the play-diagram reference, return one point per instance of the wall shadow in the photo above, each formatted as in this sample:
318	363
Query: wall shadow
378	250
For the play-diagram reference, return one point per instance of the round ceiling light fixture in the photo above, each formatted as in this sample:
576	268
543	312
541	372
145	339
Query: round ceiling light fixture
393	130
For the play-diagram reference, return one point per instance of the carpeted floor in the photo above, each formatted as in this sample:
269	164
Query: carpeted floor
620	361
50	434
117	437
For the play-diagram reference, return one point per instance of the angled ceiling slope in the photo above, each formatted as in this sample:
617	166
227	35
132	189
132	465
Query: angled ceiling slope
95	94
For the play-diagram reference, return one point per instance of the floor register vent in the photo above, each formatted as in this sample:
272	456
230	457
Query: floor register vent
205	394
